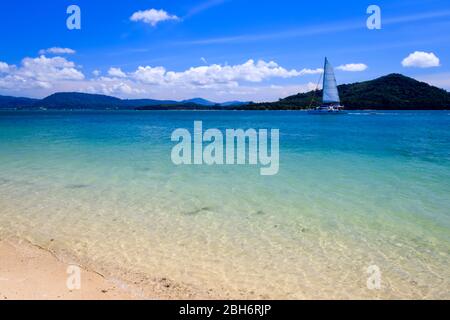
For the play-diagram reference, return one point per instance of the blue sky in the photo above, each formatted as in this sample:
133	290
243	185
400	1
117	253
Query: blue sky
218	49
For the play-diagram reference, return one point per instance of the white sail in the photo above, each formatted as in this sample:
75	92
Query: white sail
330	90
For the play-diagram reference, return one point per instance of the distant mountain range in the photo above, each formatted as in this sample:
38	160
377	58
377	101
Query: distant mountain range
15	103
391	92
85	101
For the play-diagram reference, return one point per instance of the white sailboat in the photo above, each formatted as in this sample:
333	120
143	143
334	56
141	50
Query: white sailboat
331	102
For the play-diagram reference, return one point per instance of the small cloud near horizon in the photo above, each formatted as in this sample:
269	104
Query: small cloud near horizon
353	67
420	59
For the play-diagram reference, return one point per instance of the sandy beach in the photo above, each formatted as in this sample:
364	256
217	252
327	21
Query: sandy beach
28	272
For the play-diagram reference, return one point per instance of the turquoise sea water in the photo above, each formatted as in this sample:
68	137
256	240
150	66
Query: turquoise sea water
363	189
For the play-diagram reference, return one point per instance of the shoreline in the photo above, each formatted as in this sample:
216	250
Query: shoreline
29	272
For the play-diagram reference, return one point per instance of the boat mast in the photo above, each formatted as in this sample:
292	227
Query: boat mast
324	79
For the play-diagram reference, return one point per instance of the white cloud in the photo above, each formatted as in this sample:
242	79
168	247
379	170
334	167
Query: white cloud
96	73
216	74
112	87
4	67
150	75
353	67
152	16
310	71
117	73
420	59
48	69
57	50
41	72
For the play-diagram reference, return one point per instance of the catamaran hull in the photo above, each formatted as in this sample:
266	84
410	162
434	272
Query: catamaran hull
327	112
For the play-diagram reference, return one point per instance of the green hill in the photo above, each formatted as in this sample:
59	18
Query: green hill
391	92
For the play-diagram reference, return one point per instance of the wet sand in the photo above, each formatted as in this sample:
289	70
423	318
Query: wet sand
28	272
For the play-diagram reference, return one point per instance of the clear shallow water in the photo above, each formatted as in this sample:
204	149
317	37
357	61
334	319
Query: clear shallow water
353	191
